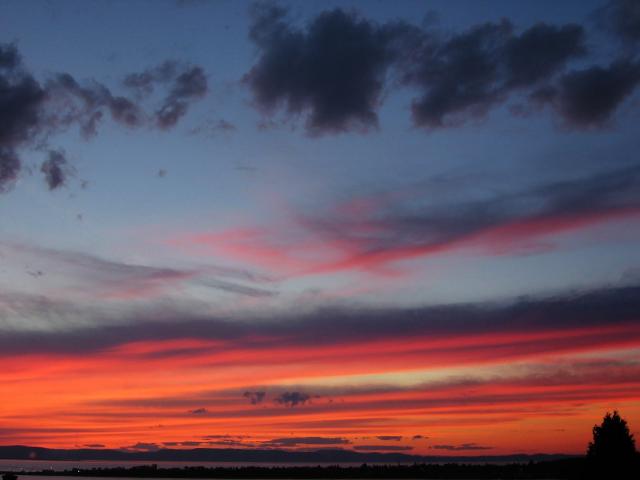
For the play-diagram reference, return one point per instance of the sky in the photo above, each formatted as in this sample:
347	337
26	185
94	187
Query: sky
402	226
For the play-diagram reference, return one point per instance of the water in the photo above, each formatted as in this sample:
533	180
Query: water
61	465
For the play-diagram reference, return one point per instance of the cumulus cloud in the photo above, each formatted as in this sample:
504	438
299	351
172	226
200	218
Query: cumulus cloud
588	98
254	397
32	111
187	87
55	169
9	168
332	72
622	18
292	399
473	71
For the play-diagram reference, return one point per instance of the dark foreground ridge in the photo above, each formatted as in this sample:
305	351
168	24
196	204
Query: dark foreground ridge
568	468
263	456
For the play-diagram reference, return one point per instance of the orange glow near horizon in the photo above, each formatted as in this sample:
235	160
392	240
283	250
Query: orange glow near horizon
498	394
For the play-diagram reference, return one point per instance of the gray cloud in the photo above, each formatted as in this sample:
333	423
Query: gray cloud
292	399
188	86
295	441
622	18
388	448
199	411
55	169
461	447
334	71
588	98
114	278
473	71
31	111
254	397
572	310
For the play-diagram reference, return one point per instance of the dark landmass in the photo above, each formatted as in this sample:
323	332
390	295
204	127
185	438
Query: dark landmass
264	456
569	468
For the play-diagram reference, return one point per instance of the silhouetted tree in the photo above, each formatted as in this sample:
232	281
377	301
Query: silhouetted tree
612	453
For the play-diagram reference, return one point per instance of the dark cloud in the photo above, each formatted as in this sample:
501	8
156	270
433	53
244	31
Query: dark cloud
199	411
188	86
388	448
9	168
332	72
85	105
292	399
21	102
604	307
55	169
469	73
254	397
621	17
142	446
144	83
9	57
94	445
31	112
387	438
418	437
588	98
295	441
462	447
335	70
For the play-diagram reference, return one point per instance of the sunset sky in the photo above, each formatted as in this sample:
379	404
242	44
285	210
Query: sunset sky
405	226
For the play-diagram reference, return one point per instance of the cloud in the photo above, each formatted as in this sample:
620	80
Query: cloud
188	86
292	399
387	438
622	18
588	98
94	445
388	448
31	112
199	411
391	227
332	72
9	168
119	280
473	71
21	101
254	397
296	441
461	447
142	447
55	169
144	83
498	331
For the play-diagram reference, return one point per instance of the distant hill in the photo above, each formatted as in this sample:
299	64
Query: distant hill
265	456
